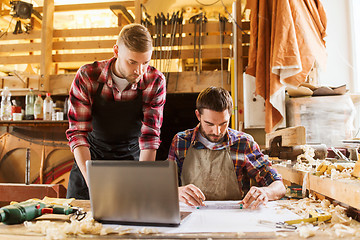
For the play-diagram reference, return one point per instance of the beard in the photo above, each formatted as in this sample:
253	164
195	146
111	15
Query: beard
131	78
212	137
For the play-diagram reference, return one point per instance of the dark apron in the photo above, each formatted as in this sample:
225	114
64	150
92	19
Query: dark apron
116	129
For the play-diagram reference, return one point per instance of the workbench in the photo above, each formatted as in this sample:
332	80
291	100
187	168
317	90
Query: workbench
20	232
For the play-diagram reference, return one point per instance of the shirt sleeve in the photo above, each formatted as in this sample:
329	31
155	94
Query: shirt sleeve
154	97
79	113
174	156
258	167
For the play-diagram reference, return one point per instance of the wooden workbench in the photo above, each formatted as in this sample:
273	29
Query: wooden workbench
8	232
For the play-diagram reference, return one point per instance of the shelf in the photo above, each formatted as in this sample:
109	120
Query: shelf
34	123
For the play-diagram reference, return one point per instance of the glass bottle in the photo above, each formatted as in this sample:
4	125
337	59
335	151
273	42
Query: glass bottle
5	104
38	108
48	107
29	105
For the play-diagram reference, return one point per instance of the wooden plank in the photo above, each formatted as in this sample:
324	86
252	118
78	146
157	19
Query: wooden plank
88	6
36	34
189	53
291	136
95	44
138	11
64	33
21	192
292	175
82	57
17	86
24	47
346	191
46	45
182	82
90	57
63	45
61	83
87	32
189	40
19	59
246	25
188	28
186	82
342	190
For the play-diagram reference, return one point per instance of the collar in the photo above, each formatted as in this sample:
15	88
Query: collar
227	141
105	76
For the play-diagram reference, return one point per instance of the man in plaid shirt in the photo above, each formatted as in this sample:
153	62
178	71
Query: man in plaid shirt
116	107
216	162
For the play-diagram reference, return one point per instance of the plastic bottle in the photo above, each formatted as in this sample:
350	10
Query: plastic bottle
29	105
38	108
48	107
5	104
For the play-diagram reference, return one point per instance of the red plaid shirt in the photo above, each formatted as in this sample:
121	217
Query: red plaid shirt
84	86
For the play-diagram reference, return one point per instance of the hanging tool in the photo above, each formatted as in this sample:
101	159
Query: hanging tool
162	23
156	21
194	20
27	167
18	29
202	20
180	22
29	210
198	21
221	29
173	23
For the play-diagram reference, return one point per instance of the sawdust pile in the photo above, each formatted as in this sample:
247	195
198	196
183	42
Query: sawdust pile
340	226
88	226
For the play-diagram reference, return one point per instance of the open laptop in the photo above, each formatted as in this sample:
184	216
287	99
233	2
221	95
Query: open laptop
133	192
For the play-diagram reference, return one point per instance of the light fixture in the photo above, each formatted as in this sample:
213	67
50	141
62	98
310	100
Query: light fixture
21	9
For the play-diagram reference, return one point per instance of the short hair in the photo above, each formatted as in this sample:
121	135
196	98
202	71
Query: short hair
135	37
214	98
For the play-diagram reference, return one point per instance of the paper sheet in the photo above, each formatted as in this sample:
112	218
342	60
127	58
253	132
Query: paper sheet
226	216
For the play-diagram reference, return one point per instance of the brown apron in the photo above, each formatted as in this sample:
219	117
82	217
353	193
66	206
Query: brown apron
212	171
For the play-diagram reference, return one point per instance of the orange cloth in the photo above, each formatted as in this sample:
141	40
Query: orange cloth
286	41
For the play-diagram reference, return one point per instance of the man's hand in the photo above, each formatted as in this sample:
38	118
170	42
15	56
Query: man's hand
191	195
256	196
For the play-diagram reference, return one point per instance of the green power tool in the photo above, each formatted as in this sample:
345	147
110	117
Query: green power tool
29	210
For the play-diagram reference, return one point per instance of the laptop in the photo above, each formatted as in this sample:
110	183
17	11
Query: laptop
133	192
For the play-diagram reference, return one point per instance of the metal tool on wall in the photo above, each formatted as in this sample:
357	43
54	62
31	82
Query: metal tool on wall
173	27
180	24
198	21
222	22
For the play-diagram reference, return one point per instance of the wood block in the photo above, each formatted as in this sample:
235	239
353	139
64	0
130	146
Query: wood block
356	172
21	192
291	136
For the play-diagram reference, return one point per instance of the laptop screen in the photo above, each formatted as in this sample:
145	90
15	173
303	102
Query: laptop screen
133	192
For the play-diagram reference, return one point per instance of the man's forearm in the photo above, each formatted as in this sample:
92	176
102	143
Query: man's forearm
82	154
275	190
147	155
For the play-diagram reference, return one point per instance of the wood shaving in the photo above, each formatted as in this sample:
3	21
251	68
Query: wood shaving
281	234
343	231
341	225
147	231
308	155
306	231
55	230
